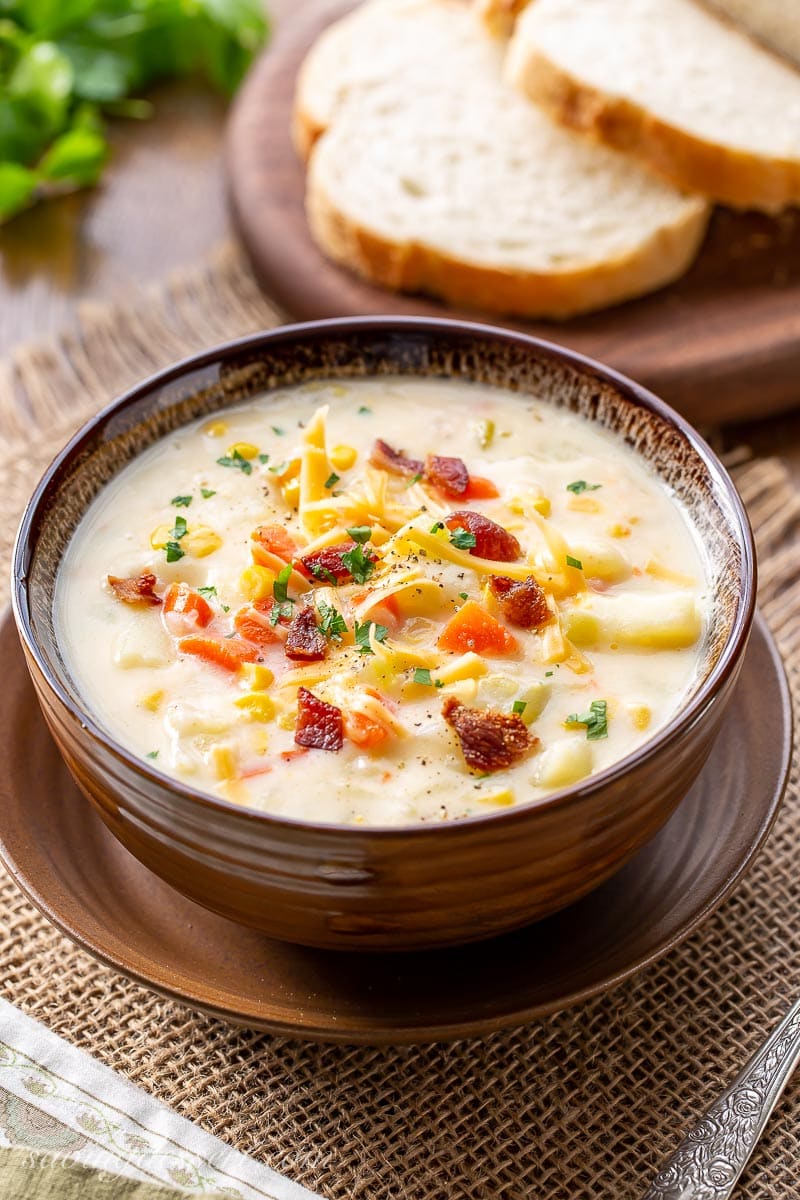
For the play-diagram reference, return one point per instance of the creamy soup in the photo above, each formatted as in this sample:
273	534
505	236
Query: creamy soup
383	602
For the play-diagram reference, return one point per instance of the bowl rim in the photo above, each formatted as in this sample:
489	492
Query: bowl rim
92	430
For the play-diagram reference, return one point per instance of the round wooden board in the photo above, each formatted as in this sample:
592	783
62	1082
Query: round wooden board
721	344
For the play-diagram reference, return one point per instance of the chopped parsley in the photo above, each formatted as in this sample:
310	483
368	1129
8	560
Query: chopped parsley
414	479
422	675
332	623
364	632
332	480
320	572
463	595
209	592
263	458
172	547
547	674
236	460
574	562
276	429
363	409
519	707
436	526
359	564
580	485
595	720
181	501
462	539
207	493
360	534
152	754
280	588
279	469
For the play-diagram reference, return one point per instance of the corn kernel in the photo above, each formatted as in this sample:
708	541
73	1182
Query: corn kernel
160	536
256	582
242	450
287	720
152	702
257	677
585	504
201	541
501	799
215	429
343	457
224	762
619	531
291	492
257	705
640	715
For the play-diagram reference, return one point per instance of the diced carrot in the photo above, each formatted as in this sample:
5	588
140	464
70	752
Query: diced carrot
473	628
362	730
480	488
255	627
185	609
229	653
274	539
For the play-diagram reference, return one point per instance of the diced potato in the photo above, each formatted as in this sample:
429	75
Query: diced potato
504	798
564	762
495	689
467	666
465	690
188	720
143	646
484	432
601	559
669	621
535	698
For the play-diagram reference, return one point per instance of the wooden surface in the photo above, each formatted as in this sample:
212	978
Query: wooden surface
722	343
129	918
161	207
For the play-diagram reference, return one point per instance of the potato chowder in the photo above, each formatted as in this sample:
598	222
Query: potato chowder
383	602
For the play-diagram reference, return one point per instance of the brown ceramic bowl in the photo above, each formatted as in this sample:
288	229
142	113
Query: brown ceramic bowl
386	888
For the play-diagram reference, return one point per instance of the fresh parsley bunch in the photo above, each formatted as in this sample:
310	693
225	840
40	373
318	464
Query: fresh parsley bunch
64	63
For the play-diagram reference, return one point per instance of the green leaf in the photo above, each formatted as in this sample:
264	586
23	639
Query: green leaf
360	533
580	485
77	157
574	562
17	188
462	539
181	501
359	564
280	588
364	632
595	720
47	17
422	675
100	75
42	79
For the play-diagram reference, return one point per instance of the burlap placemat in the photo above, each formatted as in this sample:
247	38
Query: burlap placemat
584	1104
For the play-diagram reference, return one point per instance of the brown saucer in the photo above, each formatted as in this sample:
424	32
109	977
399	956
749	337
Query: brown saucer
721	344
72	869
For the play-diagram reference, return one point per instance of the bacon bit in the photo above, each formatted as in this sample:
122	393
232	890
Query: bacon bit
140	590
254	625
449	475
319	724
394	461
327	565
491	540
305	641
490	741
275	539
522	602
228	654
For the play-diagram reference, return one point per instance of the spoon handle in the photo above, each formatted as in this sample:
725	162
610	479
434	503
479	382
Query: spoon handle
710	1159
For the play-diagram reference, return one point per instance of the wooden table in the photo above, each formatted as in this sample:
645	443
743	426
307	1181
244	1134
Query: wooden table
161	207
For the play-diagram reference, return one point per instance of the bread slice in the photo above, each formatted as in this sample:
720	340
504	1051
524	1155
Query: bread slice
428	173
774	22
668	81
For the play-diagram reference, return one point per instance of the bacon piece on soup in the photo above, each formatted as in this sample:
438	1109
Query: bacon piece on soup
140	590
522	601
305	642
394	461
490	741
449	475
491	540
328	565
319	724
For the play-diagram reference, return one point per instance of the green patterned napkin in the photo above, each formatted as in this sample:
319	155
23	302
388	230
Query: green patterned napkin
31	1175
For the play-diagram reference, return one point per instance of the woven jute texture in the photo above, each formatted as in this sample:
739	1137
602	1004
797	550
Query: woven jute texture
584	1104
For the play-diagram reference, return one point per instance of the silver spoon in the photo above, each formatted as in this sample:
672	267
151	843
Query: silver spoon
710	1159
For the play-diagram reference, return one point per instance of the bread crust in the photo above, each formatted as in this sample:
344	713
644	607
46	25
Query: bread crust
410	267
737	178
